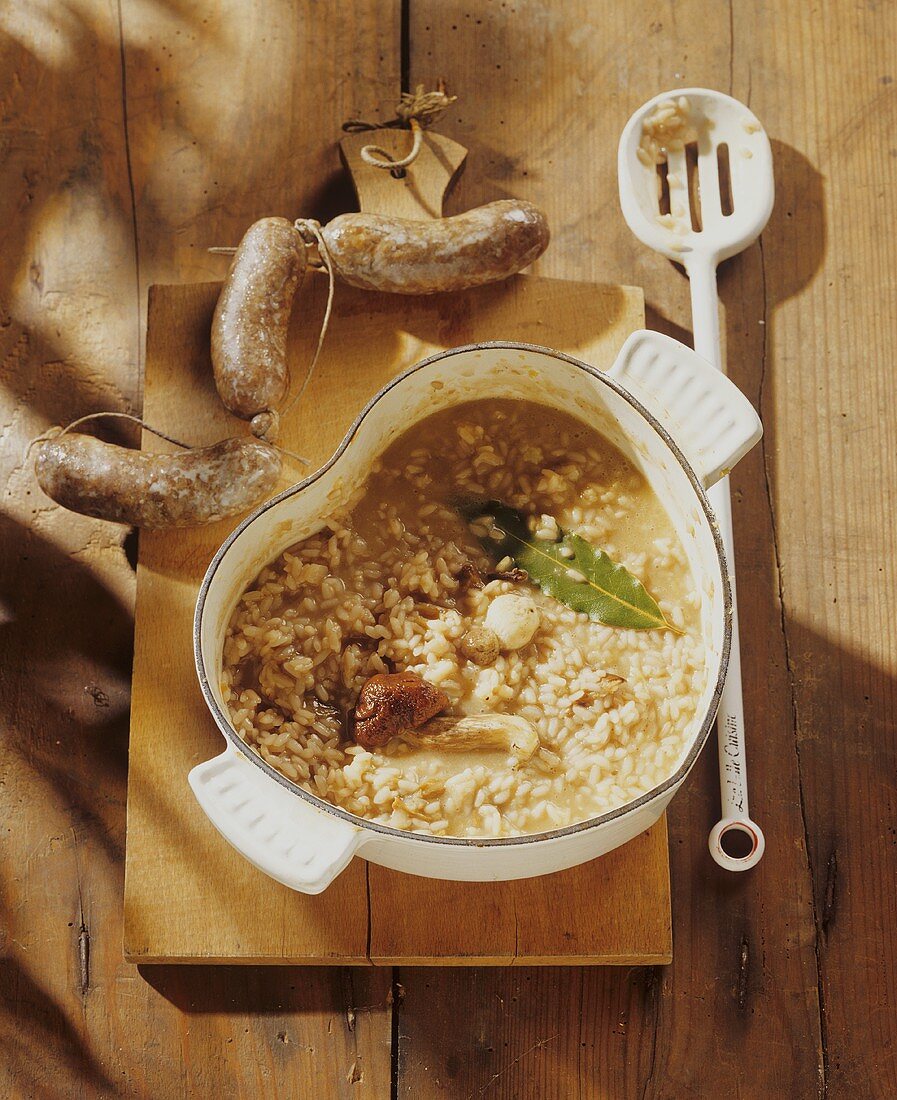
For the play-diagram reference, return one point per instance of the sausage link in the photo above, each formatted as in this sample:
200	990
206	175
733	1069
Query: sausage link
99	479
252	317
410	257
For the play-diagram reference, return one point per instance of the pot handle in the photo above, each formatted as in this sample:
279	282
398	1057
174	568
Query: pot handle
280	833
707	415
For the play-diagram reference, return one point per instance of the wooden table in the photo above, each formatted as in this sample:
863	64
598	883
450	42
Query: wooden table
134	135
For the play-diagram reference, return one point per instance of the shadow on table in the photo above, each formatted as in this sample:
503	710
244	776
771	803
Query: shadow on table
39	1023
65	659
65	757
234	990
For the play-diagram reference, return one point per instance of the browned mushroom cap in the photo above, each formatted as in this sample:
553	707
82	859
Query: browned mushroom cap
394	702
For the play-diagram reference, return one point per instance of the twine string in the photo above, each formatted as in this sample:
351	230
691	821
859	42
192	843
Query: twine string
308	227
56	432
264	424
310	231
417	110
377	157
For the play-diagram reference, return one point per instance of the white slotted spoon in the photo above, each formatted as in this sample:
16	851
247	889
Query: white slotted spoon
719	194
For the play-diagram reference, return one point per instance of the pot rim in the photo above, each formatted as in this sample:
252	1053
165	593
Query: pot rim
699	739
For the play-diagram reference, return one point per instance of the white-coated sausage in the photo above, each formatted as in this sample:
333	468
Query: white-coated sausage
187	489
483	245
252	317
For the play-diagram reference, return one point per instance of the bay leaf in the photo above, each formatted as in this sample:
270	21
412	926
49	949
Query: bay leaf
587	580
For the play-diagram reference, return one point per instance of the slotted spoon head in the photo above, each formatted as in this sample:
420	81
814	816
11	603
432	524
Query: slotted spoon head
714	211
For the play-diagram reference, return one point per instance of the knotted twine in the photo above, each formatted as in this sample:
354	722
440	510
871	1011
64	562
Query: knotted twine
417	110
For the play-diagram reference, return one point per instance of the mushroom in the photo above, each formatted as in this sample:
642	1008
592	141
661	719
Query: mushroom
514	619
604	685
480	645
391	703
507	732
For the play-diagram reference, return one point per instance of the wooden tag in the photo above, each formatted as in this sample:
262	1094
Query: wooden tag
420	192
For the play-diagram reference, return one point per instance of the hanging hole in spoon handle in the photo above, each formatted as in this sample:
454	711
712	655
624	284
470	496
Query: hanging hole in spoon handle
737	843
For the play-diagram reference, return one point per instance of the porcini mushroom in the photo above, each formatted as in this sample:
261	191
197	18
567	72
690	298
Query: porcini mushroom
514	619
507	732
393	702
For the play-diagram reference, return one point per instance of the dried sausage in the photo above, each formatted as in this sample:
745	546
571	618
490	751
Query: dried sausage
491	242
194	487
252	317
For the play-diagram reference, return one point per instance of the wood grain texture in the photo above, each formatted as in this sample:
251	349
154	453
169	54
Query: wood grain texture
184	885
828	279
775	987
188	896
612	912
133	135
235	111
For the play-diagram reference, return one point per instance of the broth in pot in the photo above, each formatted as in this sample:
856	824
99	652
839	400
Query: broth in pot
471	562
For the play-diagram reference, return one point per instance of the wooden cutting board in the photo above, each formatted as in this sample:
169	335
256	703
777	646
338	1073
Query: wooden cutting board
189	897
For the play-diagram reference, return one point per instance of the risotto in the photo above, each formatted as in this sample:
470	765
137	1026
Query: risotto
401	581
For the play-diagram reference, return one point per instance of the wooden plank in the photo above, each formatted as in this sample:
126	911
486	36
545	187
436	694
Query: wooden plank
507	1033
236	114
545	93
75	1020
227	122
68	344
183	883
188	896
828	278
611	912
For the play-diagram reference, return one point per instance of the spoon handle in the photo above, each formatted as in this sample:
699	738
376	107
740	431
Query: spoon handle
705	309
735	853
730	729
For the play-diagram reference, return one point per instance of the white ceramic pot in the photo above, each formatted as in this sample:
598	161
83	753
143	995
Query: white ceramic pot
680	420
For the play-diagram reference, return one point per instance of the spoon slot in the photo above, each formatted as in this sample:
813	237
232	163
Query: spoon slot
725	180
694	185
663	187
